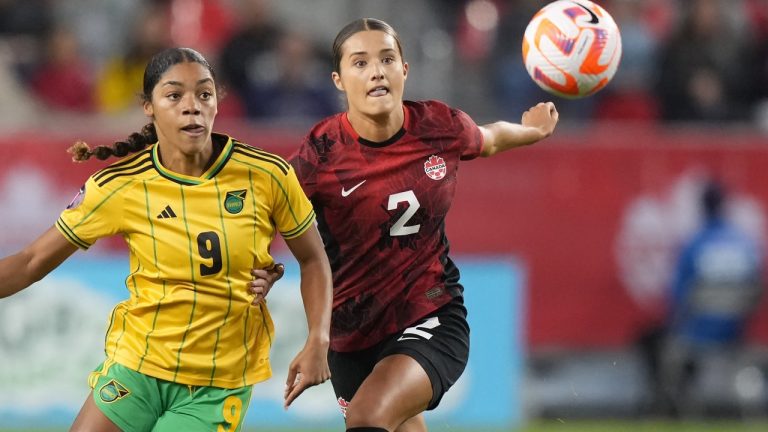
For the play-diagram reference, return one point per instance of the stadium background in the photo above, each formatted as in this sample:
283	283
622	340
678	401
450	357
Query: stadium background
567	246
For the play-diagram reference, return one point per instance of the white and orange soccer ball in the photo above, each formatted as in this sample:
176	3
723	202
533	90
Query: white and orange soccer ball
572	48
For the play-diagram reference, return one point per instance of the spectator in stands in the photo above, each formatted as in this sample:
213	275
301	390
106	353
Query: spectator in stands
718	282
102	27
278	73
63	81
24	110
702	73
757	11
257	32
119	84
297	88
23	26
629	96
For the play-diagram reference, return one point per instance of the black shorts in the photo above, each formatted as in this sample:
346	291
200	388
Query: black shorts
439	342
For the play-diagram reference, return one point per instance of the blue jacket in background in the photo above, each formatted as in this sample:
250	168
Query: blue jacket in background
716	286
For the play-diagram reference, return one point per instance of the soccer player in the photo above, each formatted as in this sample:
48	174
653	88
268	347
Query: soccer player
197	210
381	177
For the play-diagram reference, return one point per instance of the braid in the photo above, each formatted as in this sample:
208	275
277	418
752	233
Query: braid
137	141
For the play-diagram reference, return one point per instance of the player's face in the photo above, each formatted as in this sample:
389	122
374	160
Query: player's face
183	107
372	73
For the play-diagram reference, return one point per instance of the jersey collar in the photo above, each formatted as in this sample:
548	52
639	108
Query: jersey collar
399	134
216	166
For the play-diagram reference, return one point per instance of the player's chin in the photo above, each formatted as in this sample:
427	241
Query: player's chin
380	106
193	145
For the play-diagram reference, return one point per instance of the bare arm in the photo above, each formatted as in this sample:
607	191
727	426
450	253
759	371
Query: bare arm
537	123
310	367
39	258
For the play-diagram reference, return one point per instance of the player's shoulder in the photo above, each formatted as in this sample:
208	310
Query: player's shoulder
324	134
254	156
427	105
426	115
133	166
433	108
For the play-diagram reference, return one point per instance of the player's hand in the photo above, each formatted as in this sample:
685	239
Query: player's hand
309	368
262	282
543	117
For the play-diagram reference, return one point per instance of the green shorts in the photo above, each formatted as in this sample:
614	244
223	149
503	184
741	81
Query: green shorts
137	402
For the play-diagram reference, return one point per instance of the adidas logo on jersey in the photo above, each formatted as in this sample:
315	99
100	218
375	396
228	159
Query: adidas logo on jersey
166	213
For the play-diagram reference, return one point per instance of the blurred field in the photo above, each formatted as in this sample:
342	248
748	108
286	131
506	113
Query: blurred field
561	426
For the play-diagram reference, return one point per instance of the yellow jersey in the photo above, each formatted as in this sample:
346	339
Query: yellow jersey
192	242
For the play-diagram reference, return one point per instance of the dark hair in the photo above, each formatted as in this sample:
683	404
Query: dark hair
157	66
356	26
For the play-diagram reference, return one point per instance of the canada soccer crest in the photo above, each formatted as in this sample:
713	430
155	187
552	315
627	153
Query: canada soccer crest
435	167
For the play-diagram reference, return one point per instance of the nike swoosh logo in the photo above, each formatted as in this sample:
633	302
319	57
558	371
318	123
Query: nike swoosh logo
345	193
594	19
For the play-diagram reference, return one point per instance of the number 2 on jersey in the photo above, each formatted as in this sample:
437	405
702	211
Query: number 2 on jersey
399	228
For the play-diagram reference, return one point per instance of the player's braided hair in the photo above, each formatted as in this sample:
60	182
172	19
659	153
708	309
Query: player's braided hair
135	142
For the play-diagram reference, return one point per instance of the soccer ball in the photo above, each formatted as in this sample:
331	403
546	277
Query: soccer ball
572	48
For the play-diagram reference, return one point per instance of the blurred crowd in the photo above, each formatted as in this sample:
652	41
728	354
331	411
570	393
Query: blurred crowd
683	61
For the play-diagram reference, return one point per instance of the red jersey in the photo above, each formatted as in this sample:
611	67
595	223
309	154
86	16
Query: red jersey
381	211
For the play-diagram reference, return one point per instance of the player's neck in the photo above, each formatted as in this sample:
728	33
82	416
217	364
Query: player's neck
190	165
377	128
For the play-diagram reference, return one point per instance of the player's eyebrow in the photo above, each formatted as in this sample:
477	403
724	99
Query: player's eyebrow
385	50
178	83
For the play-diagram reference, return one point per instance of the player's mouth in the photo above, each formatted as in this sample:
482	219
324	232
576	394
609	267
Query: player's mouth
378	91
194	129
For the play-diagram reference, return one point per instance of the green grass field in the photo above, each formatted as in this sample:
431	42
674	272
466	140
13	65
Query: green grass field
560	426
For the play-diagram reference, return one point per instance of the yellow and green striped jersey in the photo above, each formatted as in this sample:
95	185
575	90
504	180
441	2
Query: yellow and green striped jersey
192	242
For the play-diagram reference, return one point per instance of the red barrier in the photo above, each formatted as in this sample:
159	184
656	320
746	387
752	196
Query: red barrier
594	215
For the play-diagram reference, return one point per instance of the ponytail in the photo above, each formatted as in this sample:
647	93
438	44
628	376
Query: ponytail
137	141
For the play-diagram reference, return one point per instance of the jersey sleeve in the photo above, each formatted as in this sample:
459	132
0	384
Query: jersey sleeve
469	135
94	213
304	162
293	213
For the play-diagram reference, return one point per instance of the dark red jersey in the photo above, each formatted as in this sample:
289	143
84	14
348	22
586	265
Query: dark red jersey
381	211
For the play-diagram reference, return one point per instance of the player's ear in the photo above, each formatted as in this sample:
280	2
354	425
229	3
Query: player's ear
405	70
337	81
149	110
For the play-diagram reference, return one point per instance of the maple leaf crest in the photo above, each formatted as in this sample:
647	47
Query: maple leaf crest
435	167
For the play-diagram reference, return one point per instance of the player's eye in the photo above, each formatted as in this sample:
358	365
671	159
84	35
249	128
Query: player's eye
388	60
359	63
173	96
206	95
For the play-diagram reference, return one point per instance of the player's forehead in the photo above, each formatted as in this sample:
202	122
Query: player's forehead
185	74
369	42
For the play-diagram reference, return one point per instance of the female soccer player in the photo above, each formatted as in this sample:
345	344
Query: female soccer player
381	177
197	210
